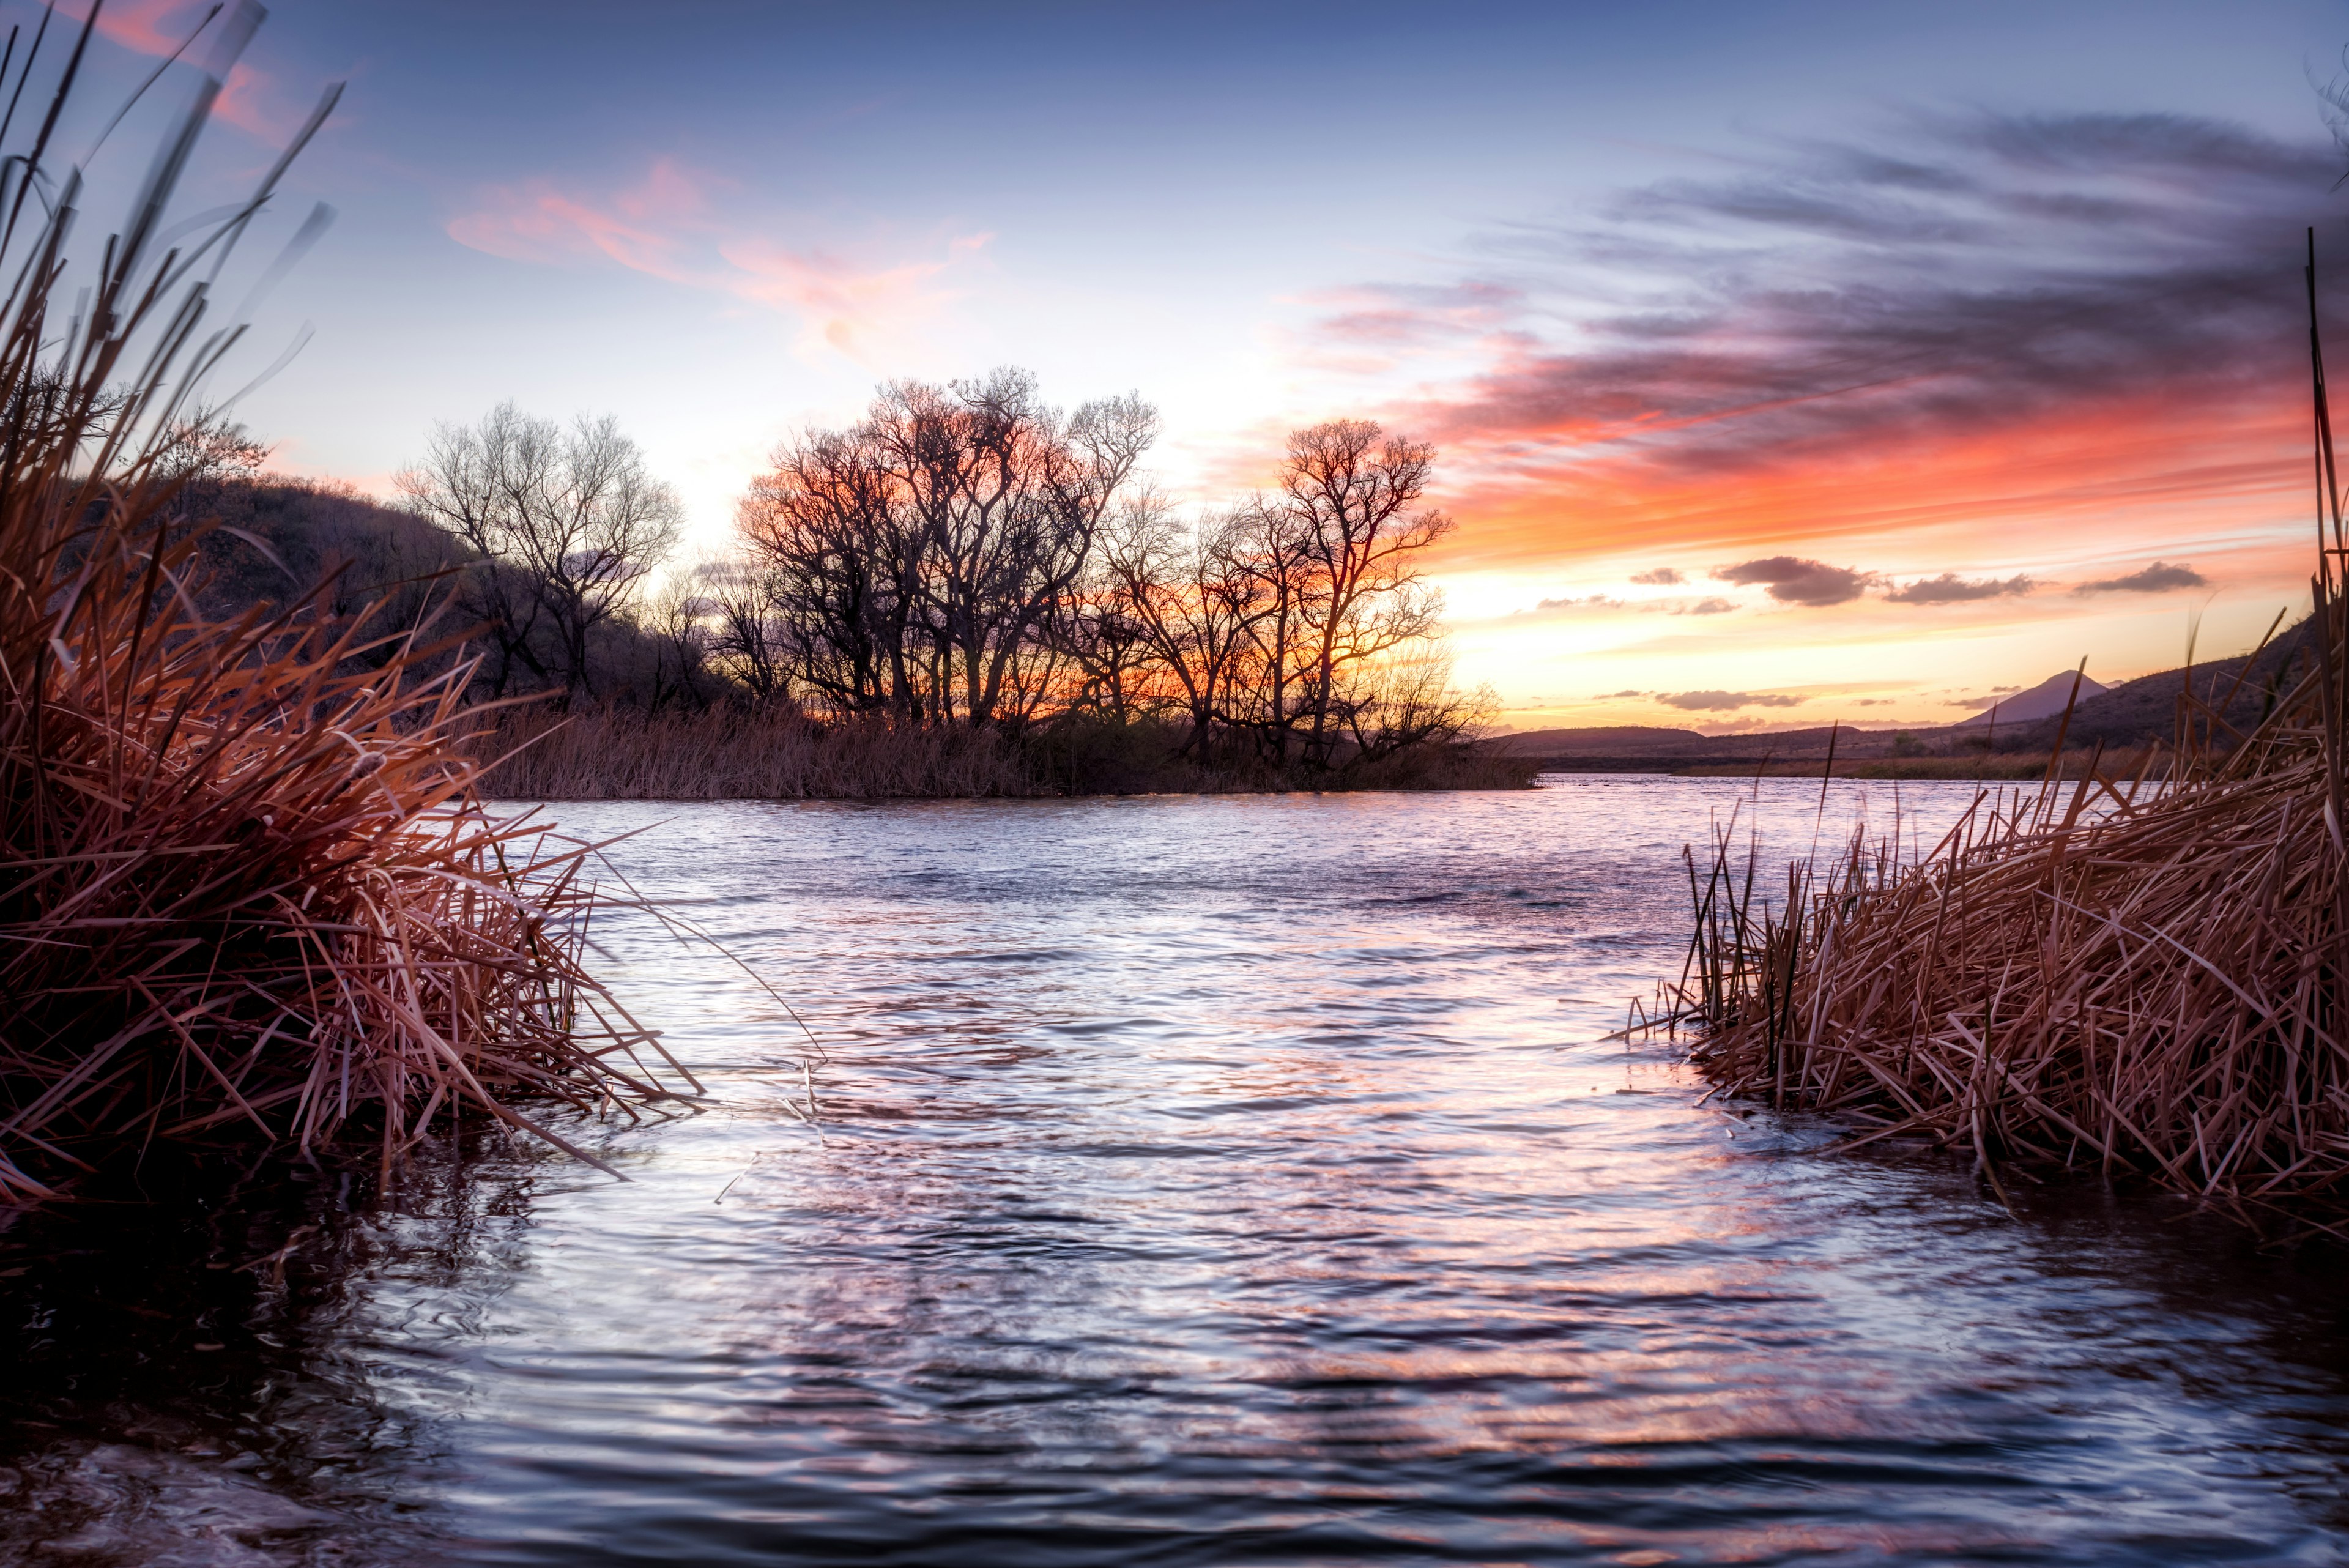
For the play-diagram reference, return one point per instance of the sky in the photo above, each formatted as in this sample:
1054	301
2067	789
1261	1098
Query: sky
1785	363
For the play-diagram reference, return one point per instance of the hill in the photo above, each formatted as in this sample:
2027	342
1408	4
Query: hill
2135	711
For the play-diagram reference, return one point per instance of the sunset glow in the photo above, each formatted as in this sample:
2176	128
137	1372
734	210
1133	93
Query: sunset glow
2026	331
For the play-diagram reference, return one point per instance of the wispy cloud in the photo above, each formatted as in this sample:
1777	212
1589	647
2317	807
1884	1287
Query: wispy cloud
1393	319
1950	588
2161	577
1662	578
1723	702
1706	607
249	97
669	226
1982	320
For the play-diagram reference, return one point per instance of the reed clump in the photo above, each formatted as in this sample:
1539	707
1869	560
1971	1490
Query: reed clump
2113	974
2090	977
246	881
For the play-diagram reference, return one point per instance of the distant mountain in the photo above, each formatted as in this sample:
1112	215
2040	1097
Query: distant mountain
2043	700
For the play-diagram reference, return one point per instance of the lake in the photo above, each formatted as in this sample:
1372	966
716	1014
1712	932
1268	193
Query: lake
1199	1181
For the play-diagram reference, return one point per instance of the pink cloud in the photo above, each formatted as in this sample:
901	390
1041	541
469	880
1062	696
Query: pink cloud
1404	316
149	27
247	102
667	226
161	27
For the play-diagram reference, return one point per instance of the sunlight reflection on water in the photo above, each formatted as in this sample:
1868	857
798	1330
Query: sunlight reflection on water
1244	1179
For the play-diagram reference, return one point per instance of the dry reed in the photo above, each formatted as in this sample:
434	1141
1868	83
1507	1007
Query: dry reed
245	881
2107	976
732	754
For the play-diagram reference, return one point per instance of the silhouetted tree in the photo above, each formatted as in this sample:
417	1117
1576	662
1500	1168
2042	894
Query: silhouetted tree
968	555
915	561
566	523
1346	495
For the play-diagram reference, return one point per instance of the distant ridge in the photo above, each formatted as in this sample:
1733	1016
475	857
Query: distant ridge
1595	739
2119	719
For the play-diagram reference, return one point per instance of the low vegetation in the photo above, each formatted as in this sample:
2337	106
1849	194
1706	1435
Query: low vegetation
2003	767
728	752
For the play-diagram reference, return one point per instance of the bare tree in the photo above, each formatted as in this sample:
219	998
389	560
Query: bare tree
1103	626
1009	495
1348	490
567	521
1406	699
746	639
838	561
1196	601
209	450
915	563
1266	548
676	622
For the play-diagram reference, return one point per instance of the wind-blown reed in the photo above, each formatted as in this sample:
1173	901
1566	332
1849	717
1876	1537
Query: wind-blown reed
244	877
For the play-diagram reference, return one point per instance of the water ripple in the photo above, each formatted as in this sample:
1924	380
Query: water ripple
1205	1182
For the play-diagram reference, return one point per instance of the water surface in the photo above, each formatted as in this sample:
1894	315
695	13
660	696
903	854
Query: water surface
1201	1180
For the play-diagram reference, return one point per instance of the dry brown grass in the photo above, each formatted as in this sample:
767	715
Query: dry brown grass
245	880
2147	977
722	753
728	754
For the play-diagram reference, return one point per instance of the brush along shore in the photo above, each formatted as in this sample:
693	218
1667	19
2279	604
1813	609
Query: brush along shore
1997	767
2140	972
721	753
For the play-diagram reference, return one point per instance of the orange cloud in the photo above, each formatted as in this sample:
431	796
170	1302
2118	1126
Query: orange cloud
2109	475
668	226
2052	347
